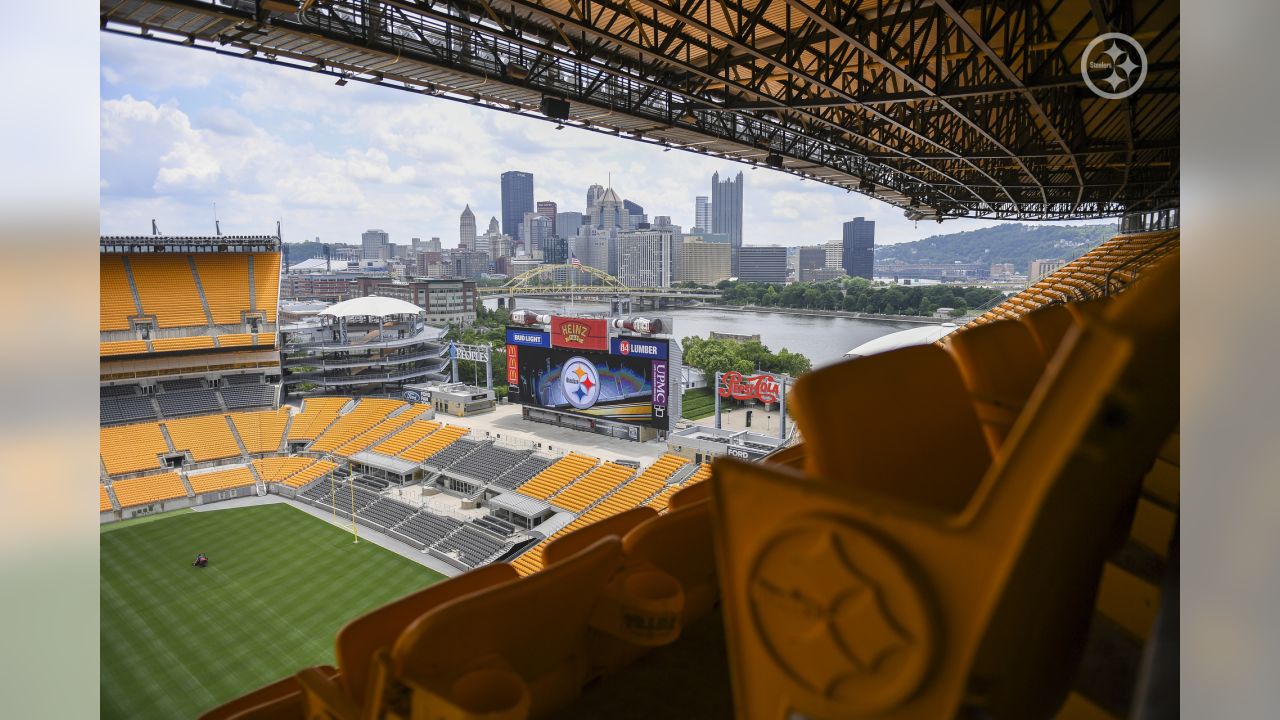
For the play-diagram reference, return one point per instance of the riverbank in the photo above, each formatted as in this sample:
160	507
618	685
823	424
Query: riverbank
920	319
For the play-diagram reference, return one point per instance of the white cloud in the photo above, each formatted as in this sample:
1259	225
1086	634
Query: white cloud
267	143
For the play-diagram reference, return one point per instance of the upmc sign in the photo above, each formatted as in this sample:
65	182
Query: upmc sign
580	333
760	387
659	390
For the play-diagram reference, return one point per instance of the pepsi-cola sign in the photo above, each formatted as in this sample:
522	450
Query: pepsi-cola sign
760	387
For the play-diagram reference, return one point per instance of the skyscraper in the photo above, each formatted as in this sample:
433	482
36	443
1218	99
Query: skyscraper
555	250
535	231
636	212
517	199
703	262
547	209
467	229
567	224
858	252
594	193
644	258
726	212
375	245
494	227
762	263
702	213
608	218
662	223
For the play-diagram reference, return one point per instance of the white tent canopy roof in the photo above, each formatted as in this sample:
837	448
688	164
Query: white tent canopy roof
922	335
371	306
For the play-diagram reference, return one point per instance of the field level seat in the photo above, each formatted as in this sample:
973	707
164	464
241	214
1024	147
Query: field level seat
619	525
280	700
1000	363
521	641
843	600
927	444
359	639
1049	324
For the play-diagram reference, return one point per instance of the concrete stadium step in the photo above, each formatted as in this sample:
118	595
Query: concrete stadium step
204	302
155	405
253	295
164	431
186	484
133	289
235	435
284	437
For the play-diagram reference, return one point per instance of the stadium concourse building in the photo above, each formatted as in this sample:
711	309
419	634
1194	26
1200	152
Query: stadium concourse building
187	325
369	345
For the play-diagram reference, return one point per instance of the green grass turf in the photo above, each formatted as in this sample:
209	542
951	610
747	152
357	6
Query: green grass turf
178	640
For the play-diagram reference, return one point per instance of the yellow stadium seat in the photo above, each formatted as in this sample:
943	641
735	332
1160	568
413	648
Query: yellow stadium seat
131	448
207	437
122	347
924	437
1048	325
266	283
360	639
515	649
168	290
280	700
844	600
148	489
680	544
560	547
1000	363
116	303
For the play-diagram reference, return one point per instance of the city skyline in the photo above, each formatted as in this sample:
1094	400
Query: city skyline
180	134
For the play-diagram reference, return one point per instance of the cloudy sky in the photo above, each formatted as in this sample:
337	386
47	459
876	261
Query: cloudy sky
183	130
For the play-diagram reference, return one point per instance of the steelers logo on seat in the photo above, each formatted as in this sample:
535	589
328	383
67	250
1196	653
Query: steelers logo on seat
838	612
580	382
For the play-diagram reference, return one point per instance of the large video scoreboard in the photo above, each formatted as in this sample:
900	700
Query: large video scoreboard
578	368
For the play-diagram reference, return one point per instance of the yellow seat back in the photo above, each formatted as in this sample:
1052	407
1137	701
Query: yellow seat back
867	600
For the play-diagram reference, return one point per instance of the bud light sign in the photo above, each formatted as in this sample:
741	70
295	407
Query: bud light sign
528	338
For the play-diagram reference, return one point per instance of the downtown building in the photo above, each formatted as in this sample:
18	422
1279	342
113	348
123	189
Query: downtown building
705	263
726	212
644	258
467	229
762	263
375	245
445	301
517	199
858	255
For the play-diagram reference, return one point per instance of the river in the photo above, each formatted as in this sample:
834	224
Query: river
824	340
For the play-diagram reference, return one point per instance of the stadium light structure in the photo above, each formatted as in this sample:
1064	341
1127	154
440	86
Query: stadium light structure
773	160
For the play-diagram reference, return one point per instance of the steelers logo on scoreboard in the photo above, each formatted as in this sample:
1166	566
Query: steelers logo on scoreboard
580	382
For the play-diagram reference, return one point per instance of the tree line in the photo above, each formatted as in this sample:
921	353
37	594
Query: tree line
859	295
712	356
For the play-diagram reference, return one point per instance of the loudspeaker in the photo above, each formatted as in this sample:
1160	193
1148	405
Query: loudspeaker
557	108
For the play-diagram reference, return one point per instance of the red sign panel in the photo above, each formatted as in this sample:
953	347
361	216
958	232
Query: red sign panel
513	366
756	387
580	333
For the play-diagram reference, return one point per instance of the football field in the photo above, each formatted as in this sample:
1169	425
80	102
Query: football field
177	640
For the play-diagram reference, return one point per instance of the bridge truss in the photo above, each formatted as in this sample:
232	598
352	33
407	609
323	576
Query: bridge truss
944	108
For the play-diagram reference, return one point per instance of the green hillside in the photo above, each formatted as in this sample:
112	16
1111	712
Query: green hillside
1016	243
